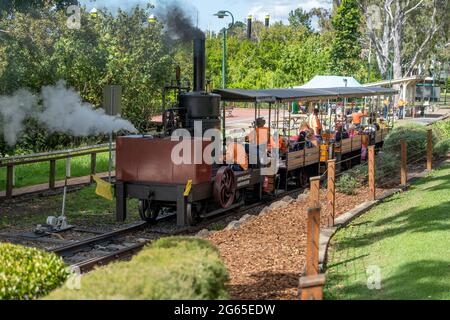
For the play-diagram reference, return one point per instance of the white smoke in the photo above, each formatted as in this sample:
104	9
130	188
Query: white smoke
14	110
62	111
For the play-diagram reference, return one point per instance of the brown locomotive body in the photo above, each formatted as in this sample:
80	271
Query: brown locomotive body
148	160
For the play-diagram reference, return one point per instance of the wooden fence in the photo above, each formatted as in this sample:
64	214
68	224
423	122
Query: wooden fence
51	157
312	282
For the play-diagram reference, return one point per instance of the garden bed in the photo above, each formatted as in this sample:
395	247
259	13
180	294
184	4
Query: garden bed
266	255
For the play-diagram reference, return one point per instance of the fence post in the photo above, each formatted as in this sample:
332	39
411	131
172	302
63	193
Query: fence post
93	165
331	191
68	167
372	186
430	149
9	180
314	195
312	242
403	169
52	176
312	287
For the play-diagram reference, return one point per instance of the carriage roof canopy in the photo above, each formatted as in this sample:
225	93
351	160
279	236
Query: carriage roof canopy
287	95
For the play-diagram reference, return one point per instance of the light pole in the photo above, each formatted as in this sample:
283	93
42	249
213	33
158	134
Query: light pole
222	14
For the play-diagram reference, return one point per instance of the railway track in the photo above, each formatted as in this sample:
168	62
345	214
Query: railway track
85	255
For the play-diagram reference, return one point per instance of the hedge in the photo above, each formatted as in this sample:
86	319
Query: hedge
388	161
415	136
168	269
28	273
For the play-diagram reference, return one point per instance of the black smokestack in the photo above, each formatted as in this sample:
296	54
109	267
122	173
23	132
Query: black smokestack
249	27
199	63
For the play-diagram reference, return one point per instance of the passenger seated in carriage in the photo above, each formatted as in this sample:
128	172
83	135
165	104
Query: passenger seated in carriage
311	140
258	140
352	131
297	142
236	157
341	133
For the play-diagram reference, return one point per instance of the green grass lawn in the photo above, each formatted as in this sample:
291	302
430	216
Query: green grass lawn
37	173
407	237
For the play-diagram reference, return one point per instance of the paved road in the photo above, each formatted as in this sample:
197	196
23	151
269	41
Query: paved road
429	118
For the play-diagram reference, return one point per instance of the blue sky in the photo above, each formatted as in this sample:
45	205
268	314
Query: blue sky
278	9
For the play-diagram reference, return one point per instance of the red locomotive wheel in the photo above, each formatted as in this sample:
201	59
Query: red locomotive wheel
225	187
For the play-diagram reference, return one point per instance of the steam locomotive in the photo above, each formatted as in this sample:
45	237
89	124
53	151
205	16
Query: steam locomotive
145	170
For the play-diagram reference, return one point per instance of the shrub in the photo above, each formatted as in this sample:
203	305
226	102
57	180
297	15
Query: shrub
442	148
387	165
170	268
28	273
347	184
442	129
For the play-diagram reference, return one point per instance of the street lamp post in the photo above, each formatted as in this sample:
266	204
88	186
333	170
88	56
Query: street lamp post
222	14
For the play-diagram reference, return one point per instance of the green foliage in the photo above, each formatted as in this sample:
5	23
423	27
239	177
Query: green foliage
387	165
10	6
347	184
300	17
442	129
37	49
279	56
346	50
28	273
415	136
170	268
442	148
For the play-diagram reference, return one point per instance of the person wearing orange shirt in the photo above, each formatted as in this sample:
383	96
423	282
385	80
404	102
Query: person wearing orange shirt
258	141
260	135
356	118
236	157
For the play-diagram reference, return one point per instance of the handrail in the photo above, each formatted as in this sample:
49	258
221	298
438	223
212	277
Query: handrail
11	162
45	156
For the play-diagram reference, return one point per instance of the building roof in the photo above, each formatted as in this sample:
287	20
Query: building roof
330	82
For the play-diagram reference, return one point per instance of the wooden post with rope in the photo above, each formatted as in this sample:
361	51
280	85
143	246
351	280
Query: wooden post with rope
372	180
403	169
430	149
314	193
331	191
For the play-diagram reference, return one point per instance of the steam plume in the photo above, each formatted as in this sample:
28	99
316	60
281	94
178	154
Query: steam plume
14	110
62	111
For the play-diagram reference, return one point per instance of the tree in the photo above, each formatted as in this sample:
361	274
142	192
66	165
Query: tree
406	33
300	17
10	6
346	50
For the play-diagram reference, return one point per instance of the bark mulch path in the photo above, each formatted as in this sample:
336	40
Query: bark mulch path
266	255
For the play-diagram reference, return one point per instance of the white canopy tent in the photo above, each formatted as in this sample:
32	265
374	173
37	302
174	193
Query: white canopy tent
319	82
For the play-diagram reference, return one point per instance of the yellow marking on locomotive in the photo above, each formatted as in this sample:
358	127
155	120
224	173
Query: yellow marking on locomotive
188	188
